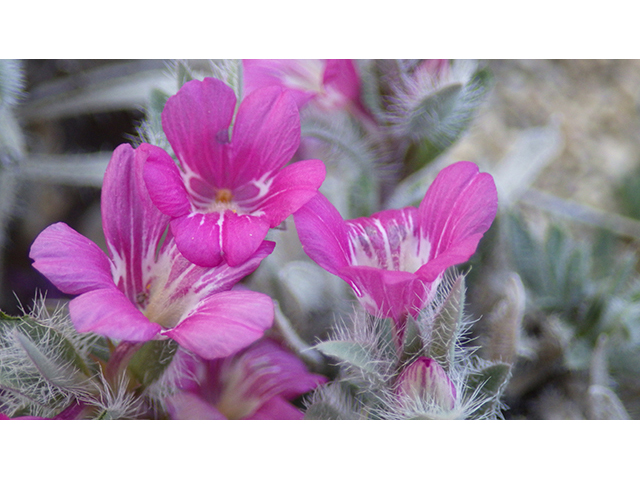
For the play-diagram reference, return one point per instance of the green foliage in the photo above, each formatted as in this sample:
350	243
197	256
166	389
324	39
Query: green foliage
488	382
43	364
438	119
591	286
149	363
349	352
446	325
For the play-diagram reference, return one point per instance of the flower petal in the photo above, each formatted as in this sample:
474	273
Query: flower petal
300	77
133	226
196	121
108	312
266	134
457	210
323	234
386	240
274	371
191	283
388	293
198	237
292	187
341	75
56	252
241	236
189	406
164	183
276	408
224	323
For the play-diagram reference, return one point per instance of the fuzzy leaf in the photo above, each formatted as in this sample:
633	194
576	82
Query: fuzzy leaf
324	410
40	368
446	325
439	119
489	382
60	374
412	341
148	363
348	352
434	109
37	333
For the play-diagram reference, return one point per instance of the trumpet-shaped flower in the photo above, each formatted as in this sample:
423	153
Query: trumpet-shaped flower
394	259
146	288
257	383
328	84
229	190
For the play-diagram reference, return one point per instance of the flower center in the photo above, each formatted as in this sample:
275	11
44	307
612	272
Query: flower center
392	246
224	195
159	301
222	202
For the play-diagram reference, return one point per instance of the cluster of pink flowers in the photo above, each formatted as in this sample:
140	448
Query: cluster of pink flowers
181	235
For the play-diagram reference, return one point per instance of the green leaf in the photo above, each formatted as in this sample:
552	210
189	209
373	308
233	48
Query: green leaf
151	360
40	368
412	340
348	352
38	333
440	117
60	374
489	383
434	109
446	325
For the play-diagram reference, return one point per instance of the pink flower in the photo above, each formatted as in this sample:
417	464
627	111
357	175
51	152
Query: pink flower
394	259
257	383
328	84
146	288
424	379
229	192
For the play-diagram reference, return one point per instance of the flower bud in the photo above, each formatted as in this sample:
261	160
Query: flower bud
425	380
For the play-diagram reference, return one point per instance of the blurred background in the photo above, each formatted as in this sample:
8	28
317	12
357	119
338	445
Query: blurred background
561	138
